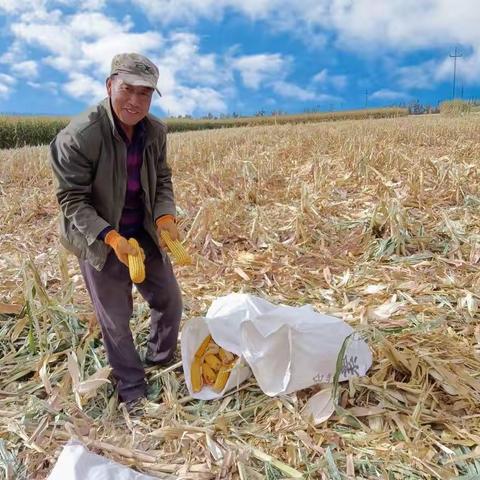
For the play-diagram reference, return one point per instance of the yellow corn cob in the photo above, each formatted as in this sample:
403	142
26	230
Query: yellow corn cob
196	375
222	378
135	263
213	362
226	357
212	349
203	347
209	376
176	248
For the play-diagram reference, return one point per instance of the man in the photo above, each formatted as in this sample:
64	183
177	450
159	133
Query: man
114	183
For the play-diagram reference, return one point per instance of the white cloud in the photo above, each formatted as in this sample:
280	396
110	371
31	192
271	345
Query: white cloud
468	67
184	100
290	90
181	11
389	95
85	87
4	90
27	69
339	82
428	74
53	36
367	27
81	41
190	81
84	5
51	87
80	45
182	62
257	69
402	24
100	52
7	79
408	25
9	5
190	11
6	85
321	77
16	6
405	24
97	25
14	53
294	17
417	76
88	41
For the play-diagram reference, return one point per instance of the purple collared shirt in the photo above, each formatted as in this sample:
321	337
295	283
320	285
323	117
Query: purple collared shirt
131	220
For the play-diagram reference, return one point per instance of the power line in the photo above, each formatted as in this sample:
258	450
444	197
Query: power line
455	56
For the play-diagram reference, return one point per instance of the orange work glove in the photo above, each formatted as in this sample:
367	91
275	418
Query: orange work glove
120	246
167	222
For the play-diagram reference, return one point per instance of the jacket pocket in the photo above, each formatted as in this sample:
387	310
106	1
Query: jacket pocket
75	241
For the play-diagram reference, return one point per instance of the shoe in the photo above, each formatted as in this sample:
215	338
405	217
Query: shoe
153	363
163	364
136	407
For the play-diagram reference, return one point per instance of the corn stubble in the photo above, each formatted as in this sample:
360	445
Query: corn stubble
375	221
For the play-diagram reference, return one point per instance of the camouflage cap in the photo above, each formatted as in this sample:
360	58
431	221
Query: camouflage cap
135	69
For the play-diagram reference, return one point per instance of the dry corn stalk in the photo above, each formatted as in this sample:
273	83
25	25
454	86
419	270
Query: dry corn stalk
413	427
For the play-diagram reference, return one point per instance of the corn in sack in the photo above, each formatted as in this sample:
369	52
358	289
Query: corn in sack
196	375
222	378
211	366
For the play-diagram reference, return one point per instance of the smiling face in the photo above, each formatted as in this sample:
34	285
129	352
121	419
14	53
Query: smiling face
130	103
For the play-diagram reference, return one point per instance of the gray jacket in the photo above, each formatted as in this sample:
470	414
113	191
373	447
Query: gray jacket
89	158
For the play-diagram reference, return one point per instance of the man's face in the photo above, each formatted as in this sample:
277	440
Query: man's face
130	103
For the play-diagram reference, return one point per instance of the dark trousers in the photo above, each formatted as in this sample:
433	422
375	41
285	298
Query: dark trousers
111	294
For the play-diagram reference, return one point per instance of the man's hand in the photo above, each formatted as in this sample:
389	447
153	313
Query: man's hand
120	246
167	223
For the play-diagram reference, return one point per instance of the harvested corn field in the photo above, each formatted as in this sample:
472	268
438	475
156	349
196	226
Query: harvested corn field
375	221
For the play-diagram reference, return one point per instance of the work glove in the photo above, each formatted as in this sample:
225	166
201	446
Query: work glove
120	246
167	223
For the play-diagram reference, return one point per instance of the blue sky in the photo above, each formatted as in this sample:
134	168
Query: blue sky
224	56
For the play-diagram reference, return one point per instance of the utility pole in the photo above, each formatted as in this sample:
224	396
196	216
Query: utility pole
455	56
366	98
